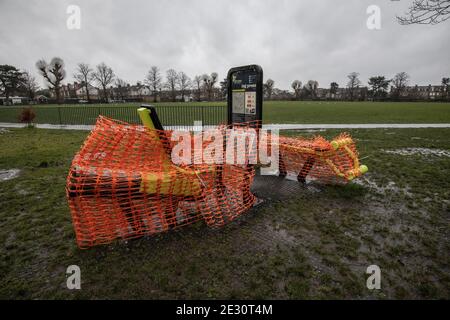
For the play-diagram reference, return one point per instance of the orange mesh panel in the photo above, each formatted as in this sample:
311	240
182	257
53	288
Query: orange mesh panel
319	160
123	183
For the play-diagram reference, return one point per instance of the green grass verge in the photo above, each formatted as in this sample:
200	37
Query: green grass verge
316	245
274	112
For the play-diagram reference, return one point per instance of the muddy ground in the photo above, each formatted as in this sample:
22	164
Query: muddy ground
309	242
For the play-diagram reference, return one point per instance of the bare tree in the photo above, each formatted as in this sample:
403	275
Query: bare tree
297	86
353	84
311	87
84	75
172	81
400	81
426	12
184	83
198	87
104	76
121	88
153	80
53	74
209	82
268	88
30	84
223	88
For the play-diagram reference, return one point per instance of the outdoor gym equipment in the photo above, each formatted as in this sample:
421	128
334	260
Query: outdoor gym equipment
124	184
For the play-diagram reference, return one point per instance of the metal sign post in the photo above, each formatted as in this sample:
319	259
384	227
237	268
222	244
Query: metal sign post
245	100
245	94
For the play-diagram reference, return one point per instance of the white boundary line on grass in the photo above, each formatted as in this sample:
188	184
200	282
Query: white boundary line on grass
265	126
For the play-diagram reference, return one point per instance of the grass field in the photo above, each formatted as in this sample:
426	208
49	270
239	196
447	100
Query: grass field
274	112
318	244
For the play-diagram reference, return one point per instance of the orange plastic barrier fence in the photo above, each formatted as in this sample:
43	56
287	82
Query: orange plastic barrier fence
319	160
124	184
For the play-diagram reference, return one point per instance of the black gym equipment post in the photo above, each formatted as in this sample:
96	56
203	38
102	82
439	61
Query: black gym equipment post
245	94
245	101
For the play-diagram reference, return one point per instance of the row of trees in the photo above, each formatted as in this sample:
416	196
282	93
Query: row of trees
13	80
180	82
104	77
379	87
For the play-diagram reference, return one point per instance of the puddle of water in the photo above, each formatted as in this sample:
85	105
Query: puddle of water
420	152
9	174
384	189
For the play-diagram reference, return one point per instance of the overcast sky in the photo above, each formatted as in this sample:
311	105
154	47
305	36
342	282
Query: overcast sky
322	40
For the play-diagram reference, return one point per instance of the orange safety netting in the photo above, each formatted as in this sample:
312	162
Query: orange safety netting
124	184
319	160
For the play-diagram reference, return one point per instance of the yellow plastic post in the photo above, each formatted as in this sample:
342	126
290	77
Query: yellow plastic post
363	169
336	144
144	114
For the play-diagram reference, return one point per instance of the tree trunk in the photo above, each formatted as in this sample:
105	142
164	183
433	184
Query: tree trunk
7	97
58	94
87	94
173	95
105	94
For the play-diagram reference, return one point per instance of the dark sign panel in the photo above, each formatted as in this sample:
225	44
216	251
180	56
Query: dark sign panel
245	94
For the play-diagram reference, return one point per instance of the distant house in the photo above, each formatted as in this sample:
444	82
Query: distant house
18	100
76	91
340	93
188	97
278	94
93	92
137	91
70	90
429	92
14	100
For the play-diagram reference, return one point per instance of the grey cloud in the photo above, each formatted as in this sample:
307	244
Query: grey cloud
322	40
